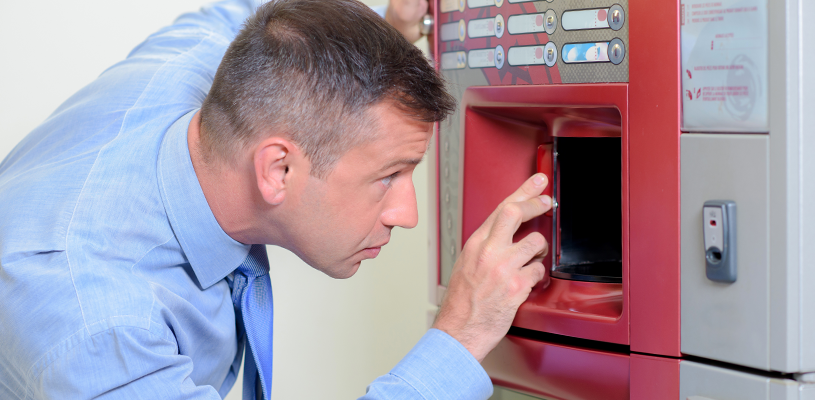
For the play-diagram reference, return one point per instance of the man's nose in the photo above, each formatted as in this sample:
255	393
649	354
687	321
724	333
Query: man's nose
401	209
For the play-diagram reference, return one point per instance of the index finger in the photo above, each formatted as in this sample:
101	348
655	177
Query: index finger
532	187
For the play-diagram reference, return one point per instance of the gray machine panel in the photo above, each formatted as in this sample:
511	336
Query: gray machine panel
792	197
806	152
726	321
704	382
787	300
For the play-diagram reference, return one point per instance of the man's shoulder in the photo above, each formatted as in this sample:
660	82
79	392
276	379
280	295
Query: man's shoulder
103	195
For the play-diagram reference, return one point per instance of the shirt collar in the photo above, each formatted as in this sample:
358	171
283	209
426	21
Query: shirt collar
211	252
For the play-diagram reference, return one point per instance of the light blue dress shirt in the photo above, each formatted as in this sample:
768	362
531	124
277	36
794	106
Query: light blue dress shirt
114	274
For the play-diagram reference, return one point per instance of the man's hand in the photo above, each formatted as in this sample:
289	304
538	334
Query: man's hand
405	16
493	276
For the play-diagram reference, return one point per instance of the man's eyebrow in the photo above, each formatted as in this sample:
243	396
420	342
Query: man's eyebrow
403	161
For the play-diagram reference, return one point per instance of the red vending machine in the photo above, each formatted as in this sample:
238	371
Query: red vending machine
655	121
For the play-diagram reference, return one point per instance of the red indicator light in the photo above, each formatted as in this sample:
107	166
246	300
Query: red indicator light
713	222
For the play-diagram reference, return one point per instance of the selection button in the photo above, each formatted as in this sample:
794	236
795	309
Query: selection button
486	27
532	55
575	53
616	17
451	5
616	51
453	60
452	31
585	19
483	3
526	55
486	58
532	23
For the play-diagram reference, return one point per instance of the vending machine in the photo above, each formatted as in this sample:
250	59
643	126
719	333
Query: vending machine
679	140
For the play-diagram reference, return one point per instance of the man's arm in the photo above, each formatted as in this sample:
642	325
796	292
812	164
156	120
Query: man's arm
124	362
438	367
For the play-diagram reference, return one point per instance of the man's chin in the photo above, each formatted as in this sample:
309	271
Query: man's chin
343	272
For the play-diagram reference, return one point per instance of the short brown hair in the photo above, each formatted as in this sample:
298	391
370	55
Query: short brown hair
311	69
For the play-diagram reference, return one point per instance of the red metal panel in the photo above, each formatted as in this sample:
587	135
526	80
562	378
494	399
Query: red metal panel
654	378
654	112
557	371
588	310
505	126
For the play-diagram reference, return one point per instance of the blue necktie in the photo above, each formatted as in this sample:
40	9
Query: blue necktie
252	296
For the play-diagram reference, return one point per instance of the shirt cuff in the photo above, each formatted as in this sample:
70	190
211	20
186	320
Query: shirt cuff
439	367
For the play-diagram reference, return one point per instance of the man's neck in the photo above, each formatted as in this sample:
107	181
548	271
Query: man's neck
228	189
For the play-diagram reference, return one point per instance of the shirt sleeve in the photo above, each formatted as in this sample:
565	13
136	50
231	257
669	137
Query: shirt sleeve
121	363
438	367
224	18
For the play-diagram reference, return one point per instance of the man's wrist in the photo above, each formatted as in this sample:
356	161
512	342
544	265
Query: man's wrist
440	367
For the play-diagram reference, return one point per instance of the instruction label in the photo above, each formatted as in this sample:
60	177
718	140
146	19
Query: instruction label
724	65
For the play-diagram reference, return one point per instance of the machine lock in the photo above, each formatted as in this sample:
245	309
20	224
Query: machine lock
719	222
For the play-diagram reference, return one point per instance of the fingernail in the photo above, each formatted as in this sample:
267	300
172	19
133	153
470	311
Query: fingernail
538	179
546	200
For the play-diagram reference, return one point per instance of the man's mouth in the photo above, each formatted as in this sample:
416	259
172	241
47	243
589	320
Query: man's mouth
372	252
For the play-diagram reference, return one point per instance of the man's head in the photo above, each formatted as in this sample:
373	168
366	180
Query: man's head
310	70
328	109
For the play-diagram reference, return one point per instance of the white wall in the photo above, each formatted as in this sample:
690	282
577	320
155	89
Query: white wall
332	337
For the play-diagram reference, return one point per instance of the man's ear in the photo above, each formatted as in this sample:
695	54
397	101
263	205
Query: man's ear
272	159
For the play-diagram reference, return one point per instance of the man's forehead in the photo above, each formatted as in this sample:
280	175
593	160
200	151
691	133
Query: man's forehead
397	144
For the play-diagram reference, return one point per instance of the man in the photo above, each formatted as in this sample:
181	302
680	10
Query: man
127	221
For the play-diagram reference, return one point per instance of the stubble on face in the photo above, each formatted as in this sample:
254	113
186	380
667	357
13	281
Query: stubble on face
346	217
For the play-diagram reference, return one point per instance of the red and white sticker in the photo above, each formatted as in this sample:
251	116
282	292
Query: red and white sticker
526	55
526	23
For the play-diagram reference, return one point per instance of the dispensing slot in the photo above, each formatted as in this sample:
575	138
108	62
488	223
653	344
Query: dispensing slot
588	225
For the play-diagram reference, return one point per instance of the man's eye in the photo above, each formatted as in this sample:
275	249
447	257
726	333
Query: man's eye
387	180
